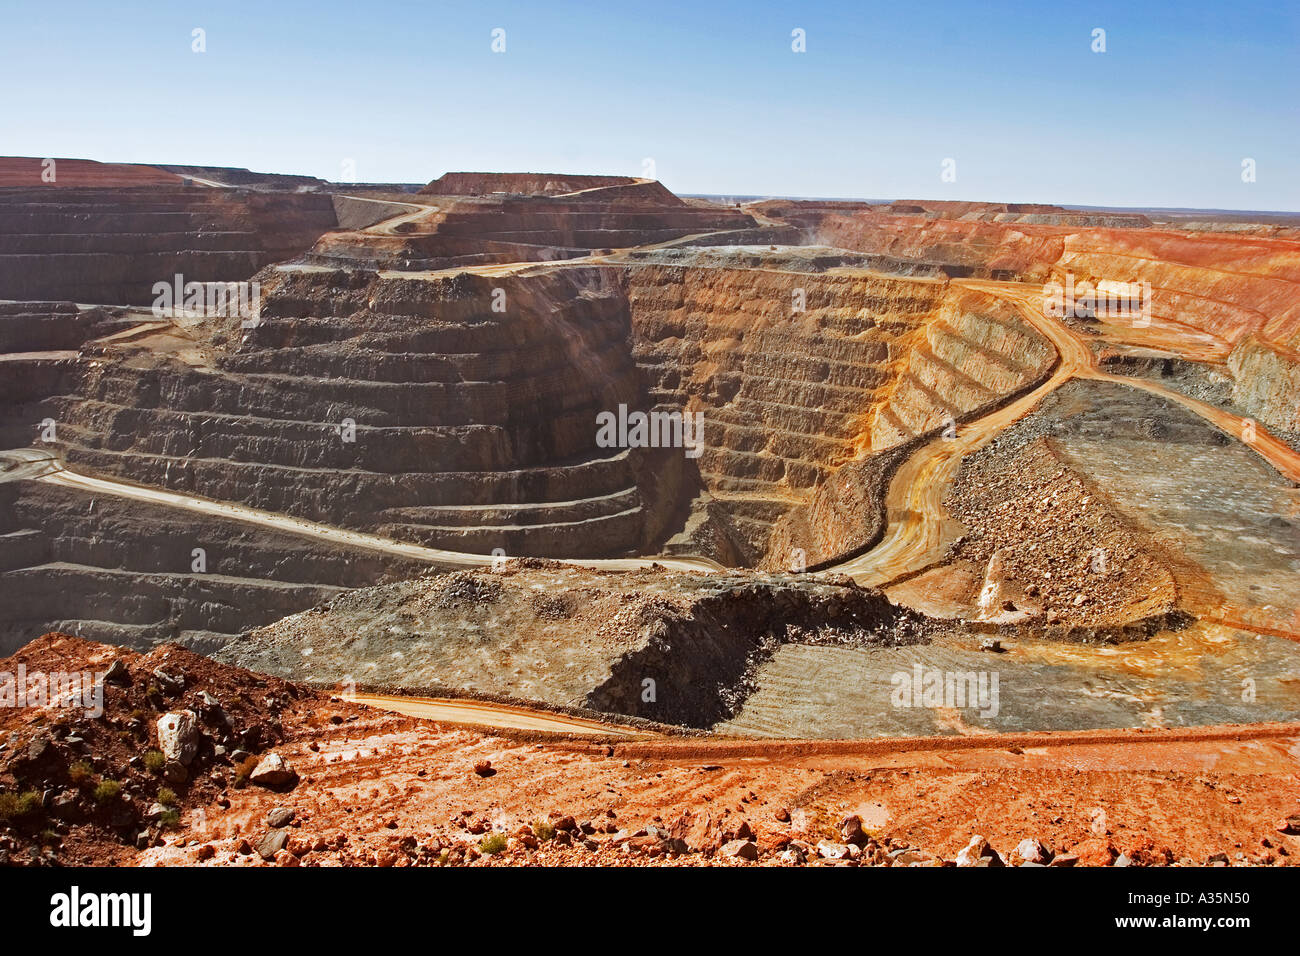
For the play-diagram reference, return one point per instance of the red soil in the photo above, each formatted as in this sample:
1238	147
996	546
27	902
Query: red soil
378	788
27	171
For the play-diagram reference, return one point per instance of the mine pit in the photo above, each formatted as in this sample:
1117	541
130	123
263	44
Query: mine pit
906	461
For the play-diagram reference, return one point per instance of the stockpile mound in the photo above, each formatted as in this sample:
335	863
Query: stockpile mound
669	647
1049	547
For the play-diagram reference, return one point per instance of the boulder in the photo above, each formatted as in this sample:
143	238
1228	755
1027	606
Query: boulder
740	850
280	817
273	771
833	851
978	853
1095	853
1031	851
171	684
117	673
178	736
272	843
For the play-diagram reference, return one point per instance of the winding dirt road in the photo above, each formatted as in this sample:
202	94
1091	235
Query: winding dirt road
919	529
39	465
486	714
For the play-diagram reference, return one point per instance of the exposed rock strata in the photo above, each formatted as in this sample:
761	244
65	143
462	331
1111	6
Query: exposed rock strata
111	245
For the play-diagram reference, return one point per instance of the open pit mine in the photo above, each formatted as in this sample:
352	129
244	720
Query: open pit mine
549	518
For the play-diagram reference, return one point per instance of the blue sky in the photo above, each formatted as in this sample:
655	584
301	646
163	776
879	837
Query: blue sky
711	92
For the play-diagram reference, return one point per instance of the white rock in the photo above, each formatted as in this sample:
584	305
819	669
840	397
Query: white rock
741	849
1032	851
975	851
793	856
832	851
178	736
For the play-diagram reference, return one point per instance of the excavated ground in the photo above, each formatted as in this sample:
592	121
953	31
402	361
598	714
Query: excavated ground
375	788
431	371
124	572
672	648
1199	500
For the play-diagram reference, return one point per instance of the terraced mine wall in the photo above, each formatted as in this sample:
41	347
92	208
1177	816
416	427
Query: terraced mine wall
1267	381
796	401
983	250
1229	285
35	172
120	571
971	361
111	245
124	572
40	357
786	394
403	406
462	231
975	353
1242	288
44	326
409	406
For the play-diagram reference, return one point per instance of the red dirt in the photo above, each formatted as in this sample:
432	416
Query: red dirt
378	788
27	171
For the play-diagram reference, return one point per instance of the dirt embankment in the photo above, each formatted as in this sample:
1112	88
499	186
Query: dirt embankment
845	516
526	184
35	171
81	787
670	647
365	787
1048	547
